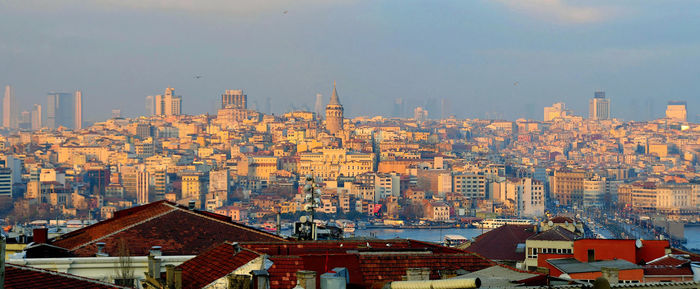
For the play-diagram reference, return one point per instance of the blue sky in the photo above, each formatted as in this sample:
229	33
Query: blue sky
499	58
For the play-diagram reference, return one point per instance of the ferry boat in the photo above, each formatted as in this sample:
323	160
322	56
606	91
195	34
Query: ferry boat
495	223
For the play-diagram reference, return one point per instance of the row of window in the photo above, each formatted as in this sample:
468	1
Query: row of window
532	252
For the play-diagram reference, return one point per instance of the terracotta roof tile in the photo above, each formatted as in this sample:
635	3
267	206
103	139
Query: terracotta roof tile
214	264
501	243
17	276
177	230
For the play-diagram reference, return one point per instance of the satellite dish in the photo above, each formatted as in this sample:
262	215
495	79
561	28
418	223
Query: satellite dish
638	243
550	223
303	219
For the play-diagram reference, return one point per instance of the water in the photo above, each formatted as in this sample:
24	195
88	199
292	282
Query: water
426	235
692	234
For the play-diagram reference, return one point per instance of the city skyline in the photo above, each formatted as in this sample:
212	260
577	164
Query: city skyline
640	64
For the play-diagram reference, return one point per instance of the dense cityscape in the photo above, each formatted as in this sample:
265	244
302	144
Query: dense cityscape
349	144
606	178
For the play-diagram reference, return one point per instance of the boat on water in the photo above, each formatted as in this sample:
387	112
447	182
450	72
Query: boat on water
347	226
495	223
454	240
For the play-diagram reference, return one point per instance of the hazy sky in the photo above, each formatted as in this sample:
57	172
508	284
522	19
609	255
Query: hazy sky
498	58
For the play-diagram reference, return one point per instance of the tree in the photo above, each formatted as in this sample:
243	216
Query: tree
125	268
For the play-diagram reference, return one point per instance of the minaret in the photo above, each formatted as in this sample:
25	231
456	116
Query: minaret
334	114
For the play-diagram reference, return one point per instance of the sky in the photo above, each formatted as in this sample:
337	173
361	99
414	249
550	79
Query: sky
488	59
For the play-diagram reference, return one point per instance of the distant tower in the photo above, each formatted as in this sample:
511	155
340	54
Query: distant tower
318	106
677	111
78	123
334	113
36	117
169	103
150	105
60	110
599	107
9	109
234	98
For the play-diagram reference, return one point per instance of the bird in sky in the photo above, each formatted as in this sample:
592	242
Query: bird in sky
285	12
197	76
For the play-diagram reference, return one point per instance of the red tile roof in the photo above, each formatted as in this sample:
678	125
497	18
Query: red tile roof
214	264
501	243
176	229
555	234
368	266
17	276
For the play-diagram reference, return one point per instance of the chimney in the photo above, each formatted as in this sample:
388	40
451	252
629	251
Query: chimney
101	250
169	276
612	274
306	279
155	251
191	205
41	235
261	279
178	278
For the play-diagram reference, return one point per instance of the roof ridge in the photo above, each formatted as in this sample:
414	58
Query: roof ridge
124	228
231	223
67	275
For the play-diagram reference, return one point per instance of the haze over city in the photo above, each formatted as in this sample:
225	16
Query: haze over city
478	55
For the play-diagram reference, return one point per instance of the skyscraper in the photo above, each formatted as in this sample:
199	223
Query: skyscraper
60	110
677	111
150	105
234	98
599	107
78	123
36	117
169	103
318	106
334	113
9	109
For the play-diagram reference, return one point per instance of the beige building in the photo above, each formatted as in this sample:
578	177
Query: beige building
192	186
555	241
331	163
677	111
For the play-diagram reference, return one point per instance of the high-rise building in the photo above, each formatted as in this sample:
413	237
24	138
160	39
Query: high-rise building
9	109
60	110
6	182
599	107
420	114
557	110
318	106
150	105
142	187
36	117
234	98
168	103
399	108
677	111
25	120
334	113
78	123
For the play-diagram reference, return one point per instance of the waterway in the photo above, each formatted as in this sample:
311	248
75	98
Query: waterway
692	234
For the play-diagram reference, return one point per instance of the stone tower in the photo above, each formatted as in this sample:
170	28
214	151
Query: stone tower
334	114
